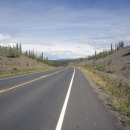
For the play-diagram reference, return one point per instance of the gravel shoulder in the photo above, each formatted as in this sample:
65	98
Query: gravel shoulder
103	98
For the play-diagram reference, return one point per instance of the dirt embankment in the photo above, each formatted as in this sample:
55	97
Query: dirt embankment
17	64
117	63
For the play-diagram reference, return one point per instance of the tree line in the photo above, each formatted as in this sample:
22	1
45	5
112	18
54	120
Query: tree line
33	55
107	52
16	51
10	51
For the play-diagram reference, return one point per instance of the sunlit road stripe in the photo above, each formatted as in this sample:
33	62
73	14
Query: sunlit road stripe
4	90
61	118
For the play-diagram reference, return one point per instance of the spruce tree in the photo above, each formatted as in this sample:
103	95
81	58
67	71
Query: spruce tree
111	48
20	48
42	55
17	46
95	55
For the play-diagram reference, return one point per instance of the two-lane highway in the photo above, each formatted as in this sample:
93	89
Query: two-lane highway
57	99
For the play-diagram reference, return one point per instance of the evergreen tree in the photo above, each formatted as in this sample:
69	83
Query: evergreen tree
115	47
111	47
122	44
42	55
17	46
95	54
33	55
20	48
26	53
29	54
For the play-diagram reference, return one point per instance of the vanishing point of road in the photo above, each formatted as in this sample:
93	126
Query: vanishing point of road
60	99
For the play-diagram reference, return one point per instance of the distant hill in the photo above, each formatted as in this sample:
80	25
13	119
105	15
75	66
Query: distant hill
67	59
64	62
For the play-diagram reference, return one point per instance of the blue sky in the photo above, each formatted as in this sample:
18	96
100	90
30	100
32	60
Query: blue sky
65	28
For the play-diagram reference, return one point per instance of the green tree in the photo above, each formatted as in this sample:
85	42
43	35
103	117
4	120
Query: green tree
36	55
20	48
17	46
95	54
42	55
26	53
111	48
29	54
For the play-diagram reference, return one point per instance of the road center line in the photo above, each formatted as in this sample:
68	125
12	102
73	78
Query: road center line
61	118
4	90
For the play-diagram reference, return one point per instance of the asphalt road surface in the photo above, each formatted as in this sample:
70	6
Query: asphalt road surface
59	99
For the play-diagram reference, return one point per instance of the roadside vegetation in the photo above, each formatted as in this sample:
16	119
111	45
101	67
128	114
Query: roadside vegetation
13	61
105	66
9	51
33	55
119	94
15	71
16	51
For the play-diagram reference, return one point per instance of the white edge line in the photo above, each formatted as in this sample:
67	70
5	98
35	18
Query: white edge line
61	118
26	74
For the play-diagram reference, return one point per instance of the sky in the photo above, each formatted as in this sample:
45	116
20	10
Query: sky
65	28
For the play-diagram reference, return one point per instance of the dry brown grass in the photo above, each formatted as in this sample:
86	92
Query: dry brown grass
24	71
20	65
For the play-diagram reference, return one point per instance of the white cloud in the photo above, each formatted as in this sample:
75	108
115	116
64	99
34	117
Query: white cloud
3	37
10	44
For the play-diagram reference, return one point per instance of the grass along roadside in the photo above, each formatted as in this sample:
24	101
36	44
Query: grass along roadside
119	96
15	72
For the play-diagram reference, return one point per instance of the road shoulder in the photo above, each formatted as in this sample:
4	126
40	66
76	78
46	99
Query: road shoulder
102	96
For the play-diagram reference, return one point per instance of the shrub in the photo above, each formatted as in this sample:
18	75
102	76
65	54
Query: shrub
14	69
27	64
